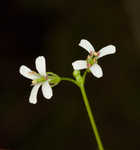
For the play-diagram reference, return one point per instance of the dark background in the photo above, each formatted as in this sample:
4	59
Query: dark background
53	28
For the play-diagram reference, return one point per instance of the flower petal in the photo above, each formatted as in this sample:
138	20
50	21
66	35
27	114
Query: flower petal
41	65
33	95
79	64
47	90
96	70
110	49
26	72
86	45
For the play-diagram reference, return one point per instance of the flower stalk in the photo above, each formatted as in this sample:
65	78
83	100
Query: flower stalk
91	118
80	80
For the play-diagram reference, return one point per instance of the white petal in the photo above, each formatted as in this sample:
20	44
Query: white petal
41	65
110	49
79	64
47	90
33	95
26	72
96	70
86	45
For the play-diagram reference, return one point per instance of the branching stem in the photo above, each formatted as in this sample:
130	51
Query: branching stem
80	84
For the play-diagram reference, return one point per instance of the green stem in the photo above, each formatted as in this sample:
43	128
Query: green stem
91	118
70	80
84	76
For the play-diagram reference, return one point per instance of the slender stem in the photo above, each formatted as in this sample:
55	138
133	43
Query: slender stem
84	76
70	80
91	118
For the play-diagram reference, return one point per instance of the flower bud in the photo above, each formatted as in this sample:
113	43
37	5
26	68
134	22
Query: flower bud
77	75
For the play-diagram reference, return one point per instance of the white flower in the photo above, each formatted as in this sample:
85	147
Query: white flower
91	61
38	79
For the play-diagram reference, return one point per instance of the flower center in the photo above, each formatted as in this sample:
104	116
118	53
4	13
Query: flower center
92	59
39	79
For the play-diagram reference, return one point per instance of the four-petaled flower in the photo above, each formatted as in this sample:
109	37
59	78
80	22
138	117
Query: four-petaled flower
91	61
38	79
